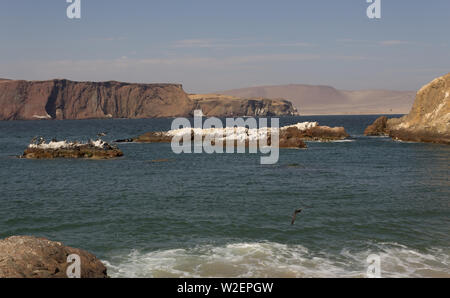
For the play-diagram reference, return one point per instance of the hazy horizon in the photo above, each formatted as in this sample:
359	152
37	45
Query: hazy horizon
209	46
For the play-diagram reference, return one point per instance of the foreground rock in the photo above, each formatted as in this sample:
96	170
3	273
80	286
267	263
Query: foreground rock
293	136
64	99
63	149
31	257
428	121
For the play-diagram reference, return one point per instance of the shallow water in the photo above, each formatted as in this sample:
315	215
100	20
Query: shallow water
226	215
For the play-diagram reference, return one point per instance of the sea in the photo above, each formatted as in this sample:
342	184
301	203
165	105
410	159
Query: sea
153	213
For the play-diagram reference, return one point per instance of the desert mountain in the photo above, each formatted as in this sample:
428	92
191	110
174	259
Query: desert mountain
326	100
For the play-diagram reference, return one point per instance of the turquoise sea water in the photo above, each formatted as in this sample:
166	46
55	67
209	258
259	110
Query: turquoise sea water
225	215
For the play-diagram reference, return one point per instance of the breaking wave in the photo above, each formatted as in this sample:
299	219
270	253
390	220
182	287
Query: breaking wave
268	259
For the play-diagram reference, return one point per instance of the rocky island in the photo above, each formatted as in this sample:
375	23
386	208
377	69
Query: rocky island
293	136
31	257
64	99
428	121
38	149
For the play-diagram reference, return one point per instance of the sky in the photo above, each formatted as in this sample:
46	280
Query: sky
214	45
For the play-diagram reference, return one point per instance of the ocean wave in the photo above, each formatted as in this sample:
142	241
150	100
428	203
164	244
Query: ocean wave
268	259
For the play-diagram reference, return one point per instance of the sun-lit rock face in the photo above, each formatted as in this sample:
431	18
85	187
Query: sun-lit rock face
31	257
429	119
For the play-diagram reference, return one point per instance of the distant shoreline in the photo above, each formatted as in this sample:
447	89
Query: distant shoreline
283	116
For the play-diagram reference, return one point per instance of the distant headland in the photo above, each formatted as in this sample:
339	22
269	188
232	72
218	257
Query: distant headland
63	99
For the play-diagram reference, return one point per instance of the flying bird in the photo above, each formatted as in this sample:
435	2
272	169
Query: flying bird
102	134
294	217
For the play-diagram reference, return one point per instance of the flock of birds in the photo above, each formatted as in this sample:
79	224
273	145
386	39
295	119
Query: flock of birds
41	140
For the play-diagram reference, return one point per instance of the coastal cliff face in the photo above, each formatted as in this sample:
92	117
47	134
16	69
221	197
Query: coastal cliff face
64	99
429	119
228	106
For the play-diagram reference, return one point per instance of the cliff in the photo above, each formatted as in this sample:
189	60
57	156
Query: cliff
226	106
429	119
64	99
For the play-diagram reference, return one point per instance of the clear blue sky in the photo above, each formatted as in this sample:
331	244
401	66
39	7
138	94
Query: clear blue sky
212	45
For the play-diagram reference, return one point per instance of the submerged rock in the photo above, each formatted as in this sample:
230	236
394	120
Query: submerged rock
428	121
31	257
93	150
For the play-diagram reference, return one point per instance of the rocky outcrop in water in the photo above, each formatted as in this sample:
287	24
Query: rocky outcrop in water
428	121
91	150
293	136
64	99
31	257
378	128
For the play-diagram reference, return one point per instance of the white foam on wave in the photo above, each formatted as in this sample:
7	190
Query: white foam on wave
270	259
